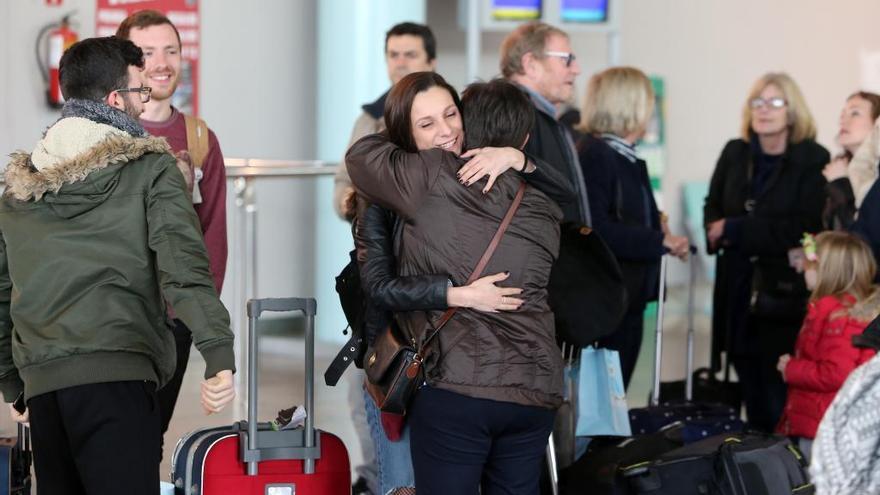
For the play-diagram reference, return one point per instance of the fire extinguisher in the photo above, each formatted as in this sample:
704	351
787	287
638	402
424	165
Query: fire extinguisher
52	41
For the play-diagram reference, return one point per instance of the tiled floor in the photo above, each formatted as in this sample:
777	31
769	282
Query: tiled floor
281	383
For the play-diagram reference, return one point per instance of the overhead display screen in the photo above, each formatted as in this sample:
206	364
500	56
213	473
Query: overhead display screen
587	11
516	10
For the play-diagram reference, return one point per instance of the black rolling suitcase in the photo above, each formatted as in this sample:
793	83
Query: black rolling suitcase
699	419
701	385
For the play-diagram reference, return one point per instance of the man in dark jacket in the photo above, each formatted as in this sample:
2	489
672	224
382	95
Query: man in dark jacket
538	58
97	233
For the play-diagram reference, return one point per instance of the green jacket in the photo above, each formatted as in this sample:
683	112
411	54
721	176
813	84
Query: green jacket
97	228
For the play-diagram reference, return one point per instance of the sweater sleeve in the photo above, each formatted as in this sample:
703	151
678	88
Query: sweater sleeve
550	181
390	177
713	208
363	126
838	357
183	268
627	242
10	382
212	210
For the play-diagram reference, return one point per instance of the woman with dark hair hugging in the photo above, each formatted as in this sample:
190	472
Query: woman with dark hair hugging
493	378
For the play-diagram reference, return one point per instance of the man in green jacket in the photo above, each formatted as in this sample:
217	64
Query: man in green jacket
97	234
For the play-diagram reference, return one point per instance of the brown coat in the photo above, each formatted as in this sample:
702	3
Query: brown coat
505	356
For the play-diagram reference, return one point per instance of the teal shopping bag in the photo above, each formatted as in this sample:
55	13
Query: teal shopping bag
601	399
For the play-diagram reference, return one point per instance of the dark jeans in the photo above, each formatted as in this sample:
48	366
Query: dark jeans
96	439
627	341
168	394
465	446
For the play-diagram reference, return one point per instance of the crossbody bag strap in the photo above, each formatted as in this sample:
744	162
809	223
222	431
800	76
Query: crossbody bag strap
484	260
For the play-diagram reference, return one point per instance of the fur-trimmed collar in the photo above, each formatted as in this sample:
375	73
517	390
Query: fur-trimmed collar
867	309
25	181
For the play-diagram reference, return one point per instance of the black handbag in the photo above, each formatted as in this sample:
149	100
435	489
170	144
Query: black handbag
393	370
394	364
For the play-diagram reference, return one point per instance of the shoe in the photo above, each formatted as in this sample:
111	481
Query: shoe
360	487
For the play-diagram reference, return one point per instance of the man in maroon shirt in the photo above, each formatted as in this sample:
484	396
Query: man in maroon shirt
160	42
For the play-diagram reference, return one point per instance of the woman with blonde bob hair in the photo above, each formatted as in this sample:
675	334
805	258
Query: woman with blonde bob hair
766	190
798	118
619	101
618	105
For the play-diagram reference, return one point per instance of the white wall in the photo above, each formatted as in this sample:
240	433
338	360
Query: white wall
257	74
709	53
258	77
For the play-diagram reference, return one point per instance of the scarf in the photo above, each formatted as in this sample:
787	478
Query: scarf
102	113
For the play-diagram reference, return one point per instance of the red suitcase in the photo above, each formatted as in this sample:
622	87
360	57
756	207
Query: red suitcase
253	459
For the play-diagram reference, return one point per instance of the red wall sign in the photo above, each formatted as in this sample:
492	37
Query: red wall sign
185	16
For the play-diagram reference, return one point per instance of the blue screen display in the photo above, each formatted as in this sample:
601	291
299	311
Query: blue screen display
584	10
516	10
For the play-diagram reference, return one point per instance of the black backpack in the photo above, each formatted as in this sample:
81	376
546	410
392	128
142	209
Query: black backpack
354	305
586	290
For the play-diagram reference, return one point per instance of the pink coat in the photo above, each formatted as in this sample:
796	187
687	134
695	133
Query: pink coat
824	356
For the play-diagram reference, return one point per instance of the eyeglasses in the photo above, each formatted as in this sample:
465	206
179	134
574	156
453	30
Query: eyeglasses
144	91
567	56
757	103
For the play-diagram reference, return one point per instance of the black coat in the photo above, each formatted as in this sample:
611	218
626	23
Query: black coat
625	215
576	272
549	140
756	269
868	223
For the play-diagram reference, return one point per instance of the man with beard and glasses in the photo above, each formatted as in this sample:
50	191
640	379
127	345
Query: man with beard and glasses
158	38
96	228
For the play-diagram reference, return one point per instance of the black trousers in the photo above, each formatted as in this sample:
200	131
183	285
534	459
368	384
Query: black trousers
627	341
169	393
96	439
764	391
466	446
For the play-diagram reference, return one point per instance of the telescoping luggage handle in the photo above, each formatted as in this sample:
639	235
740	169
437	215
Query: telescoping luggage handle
274	446
658	348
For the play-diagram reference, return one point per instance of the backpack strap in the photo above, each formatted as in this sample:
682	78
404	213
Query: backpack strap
196	139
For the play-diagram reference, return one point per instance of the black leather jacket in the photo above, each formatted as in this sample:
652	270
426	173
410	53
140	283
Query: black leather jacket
376	233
